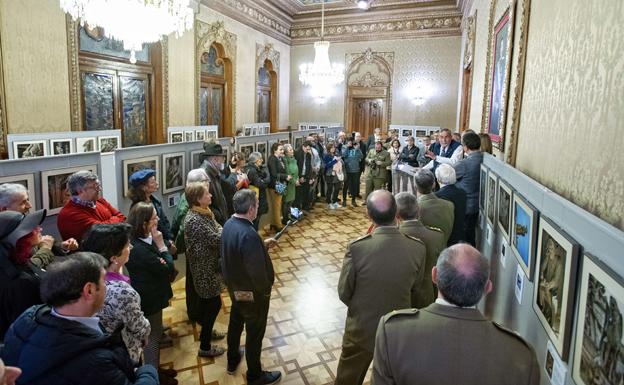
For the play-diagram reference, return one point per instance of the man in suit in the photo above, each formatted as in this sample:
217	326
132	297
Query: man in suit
407	214
359	143
468	174
445	175
433	211
388	268
372	139
409	153
450	341
303	156
447	151
248	274
378	160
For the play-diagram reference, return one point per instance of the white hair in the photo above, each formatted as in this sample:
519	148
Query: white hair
196	175
445	174
8	192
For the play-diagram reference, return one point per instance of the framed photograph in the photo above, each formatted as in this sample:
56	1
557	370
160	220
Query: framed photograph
176	137
26	180
303	127
61	146
553	297
54	187
504	208
246	149
524	233
130	166
421	133
598	355
189	136
30	149
174	172
196	159
406	132
491	199
312	127
211	134
483	187
261	147
200	135
108	143
247	131
86	144
298	143
498	75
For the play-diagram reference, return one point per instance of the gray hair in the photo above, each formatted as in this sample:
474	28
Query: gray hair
424	181
196	175
462	274
77	181
254	156
243	200
8	192
445	174
407	206
287	147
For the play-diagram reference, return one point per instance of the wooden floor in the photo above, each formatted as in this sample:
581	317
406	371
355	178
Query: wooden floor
306	318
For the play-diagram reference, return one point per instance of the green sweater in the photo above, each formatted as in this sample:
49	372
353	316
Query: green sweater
177	226
291	169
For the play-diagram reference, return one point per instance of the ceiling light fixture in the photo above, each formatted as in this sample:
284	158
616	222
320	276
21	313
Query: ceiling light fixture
363	4
134	22
321	75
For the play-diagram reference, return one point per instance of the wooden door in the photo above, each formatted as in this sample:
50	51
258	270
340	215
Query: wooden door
367	114
263	103
211	99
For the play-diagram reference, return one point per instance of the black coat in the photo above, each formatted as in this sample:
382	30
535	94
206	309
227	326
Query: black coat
259	177
409	155
277	170
54	350
219	205
456	195
302	157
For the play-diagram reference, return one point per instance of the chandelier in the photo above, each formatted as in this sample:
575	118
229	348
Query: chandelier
321	75
134	22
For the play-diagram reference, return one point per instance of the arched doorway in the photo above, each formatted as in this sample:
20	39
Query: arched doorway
214	100
266	95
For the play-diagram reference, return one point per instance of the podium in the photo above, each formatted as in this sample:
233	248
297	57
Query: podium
403	178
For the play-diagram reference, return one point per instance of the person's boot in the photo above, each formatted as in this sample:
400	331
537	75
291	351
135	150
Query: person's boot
354	203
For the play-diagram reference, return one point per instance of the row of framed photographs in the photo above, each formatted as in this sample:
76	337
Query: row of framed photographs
254	129
172	175
192	135
62	146
550	257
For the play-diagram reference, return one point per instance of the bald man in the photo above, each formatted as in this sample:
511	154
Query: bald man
388	267
450	341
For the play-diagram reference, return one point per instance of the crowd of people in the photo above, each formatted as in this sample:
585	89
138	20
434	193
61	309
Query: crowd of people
89	308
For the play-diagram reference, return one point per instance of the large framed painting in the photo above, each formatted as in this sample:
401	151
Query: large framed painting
30	149
174	172
26	180
504	208
483	187
61	146
553	297
54	187
598	352
490	205
498	74
131	166
524	233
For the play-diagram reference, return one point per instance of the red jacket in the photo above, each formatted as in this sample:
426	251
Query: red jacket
75	220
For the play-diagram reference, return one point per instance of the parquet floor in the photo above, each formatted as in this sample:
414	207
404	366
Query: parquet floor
306	318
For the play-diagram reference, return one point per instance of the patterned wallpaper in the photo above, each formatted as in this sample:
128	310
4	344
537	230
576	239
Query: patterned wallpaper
34	46
432	62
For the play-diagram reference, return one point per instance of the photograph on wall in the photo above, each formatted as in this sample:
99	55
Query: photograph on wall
303	127
174	172
261	147
504	208
29	149
406	132
421	133
553	297
130	166
312	127
599	349
196	158
246	149
200	135
176	137
524	233
54	187
254	131
61	146
298	143
247	130
86	144
483	187
189	136
26	180
491	199
108	143
499	75
211	134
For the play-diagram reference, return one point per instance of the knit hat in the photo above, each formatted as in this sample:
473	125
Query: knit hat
140	177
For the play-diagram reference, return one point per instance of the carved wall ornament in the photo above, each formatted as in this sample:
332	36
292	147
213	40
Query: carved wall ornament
368	80
250	15
469	43
267	52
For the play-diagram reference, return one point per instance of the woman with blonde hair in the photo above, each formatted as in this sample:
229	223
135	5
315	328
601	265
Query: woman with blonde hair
486	143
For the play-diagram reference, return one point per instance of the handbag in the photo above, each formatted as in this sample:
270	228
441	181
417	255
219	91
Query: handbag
280	188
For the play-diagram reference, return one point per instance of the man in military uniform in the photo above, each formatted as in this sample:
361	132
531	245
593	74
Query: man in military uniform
433	238
450	341
378	160
434	211
388	267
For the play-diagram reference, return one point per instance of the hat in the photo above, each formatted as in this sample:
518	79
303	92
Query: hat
14	225
213	149
140	177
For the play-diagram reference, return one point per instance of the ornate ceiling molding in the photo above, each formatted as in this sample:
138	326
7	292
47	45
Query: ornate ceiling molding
264	52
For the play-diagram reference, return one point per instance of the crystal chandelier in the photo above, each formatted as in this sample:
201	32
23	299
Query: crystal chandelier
321	75
134	22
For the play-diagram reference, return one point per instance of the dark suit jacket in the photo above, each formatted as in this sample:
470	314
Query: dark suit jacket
302	157
467	172
409	155
456	195
441	345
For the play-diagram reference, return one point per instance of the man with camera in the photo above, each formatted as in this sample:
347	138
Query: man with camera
378	160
